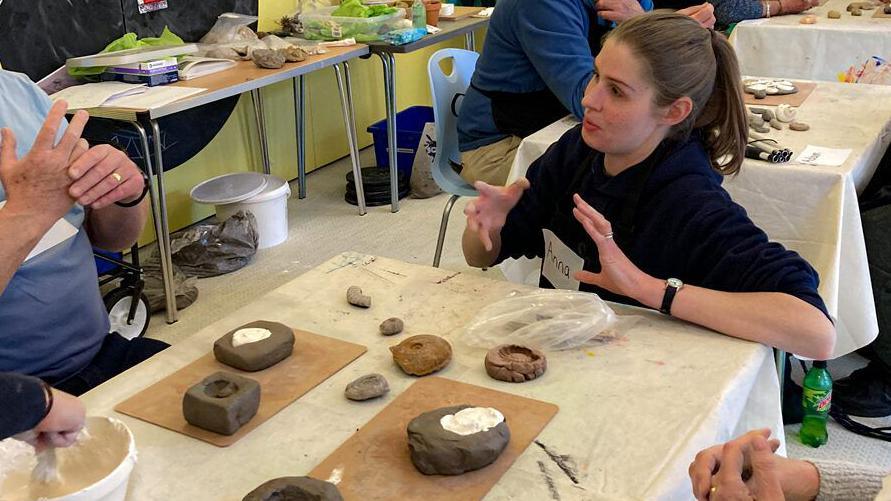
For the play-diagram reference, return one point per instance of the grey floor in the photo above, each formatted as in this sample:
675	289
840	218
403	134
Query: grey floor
323	225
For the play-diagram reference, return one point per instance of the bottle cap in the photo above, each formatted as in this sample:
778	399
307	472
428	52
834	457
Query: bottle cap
820	364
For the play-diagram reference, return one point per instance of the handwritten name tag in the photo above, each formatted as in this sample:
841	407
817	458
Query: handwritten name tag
560	263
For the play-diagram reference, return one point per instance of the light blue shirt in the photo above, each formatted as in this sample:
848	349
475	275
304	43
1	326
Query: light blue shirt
52	319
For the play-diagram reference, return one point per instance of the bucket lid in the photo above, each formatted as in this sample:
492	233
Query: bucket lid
275	187
229	188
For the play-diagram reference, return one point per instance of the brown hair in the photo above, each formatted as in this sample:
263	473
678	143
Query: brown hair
685	59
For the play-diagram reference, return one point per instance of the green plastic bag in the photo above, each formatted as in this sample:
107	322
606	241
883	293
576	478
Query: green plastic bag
129	41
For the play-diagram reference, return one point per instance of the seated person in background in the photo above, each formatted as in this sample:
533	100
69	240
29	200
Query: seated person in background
728	12
534	67
53	323
634	196
30	404
747	468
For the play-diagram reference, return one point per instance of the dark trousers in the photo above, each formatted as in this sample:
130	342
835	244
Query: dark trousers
877	233
116	355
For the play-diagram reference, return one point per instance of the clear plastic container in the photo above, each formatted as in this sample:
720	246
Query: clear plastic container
321	25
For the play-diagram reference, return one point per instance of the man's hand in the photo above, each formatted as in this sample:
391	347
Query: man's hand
38	184
703	14
102	176
618	10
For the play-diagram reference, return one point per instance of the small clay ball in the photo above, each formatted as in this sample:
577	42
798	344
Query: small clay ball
808	19
437	451
799	126
760	94
355	297
856	11
834	14
776	124
422	354
514	363
767	116
367	387
392	326
294	489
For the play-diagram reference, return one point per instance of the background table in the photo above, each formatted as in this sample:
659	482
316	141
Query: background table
448	30
244	77
633	413
783	47
810	209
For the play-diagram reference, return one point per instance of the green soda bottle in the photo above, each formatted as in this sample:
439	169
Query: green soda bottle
816	399
418	15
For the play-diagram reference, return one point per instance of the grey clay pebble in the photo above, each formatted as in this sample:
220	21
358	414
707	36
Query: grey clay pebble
355	297
799	126
367	387
392	326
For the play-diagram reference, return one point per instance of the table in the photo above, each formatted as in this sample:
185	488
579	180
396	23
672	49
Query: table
783	47
810	209
449	29
243	78
631	415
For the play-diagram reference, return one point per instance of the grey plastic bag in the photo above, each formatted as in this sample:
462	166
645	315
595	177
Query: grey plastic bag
208	250
184	288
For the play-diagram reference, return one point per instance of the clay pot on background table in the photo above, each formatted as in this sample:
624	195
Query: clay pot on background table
432	9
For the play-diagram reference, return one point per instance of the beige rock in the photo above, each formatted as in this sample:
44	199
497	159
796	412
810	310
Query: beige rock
833	14
355	297
422	354
799	126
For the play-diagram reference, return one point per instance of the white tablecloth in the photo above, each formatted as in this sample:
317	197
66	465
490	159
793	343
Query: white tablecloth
810	209
783	47
633	413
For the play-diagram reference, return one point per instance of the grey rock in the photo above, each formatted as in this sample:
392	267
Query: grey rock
437	451
268	58
256	356
367	387
392	326
222	402
355	297
294	489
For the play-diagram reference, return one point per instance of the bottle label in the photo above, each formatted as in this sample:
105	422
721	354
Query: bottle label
817	400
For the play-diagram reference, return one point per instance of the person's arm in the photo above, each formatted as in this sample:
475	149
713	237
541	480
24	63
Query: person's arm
27	228
732	254
843	480
24	402
102	176
554	38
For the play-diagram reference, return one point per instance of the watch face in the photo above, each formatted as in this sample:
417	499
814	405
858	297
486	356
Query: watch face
674	282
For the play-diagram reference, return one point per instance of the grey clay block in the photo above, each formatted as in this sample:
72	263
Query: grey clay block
222	402
257	356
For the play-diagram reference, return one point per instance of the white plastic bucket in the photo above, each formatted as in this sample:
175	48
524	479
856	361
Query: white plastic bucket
109	437
269	206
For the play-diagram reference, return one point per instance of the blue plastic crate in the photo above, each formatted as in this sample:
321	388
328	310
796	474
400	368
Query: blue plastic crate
104	267
409	128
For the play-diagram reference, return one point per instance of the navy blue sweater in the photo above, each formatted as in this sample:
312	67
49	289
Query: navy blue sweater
23	402
684	224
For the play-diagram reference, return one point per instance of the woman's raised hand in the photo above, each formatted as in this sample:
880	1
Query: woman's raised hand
488	212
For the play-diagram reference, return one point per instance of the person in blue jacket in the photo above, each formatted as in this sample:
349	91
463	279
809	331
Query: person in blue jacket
59	196
534	67
629	204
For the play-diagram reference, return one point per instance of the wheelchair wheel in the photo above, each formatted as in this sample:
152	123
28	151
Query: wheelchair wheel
118	302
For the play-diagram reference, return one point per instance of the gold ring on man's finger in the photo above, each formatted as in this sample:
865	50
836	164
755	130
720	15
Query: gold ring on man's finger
117	177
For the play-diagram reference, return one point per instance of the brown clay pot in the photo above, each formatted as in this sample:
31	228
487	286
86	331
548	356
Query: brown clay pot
432	9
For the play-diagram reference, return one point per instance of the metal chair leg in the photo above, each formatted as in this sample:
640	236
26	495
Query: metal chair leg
299	85
346	104
257	98
443	227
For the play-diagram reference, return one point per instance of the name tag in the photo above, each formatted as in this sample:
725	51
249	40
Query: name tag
560	263
60	232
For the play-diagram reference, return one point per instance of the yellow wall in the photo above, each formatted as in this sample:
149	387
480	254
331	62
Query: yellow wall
235	148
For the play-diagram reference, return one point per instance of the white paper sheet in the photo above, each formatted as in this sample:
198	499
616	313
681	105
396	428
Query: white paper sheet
92	95
820	155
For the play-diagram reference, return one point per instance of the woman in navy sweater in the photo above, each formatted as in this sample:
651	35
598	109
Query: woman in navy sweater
629	204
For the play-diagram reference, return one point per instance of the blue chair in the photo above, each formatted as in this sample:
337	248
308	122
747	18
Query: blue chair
447	91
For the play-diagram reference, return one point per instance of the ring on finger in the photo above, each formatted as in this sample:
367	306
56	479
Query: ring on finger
608	235
117	177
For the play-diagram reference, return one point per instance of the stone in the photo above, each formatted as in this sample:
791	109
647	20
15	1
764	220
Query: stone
293	54
786	113
437	451
258	355
808	19
776	124
758	111
887	9
767	116
268	58
514	363
760	94
294	489
222	402
799	126
355	297
367	387
856	11
392	326
834	14
422	354
763	129
756	120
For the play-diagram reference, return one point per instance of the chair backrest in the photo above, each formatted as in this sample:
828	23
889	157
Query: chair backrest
448	92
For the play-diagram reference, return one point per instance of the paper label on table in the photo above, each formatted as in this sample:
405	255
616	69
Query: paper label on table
560	263
819	155
60	232
92	95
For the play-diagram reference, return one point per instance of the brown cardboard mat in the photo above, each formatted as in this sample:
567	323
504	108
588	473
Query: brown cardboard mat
374	463
804	90
315	359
